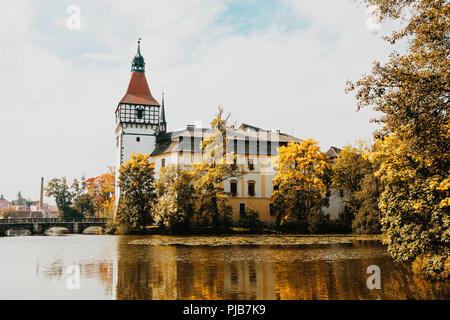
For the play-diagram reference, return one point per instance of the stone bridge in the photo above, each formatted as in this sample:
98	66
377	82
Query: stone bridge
40	225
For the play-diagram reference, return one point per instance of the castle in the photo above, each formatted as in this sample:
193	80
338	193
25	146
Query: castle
141	127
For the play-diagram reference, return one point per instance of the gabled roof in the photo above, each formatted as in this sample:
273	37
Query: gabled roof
248	126
138	91
333	152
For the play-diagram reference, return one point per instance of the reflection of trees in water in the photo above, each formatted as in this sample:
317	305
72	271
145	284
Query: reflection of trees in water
52	270
101	271
207	278
411	286
178	272
146	272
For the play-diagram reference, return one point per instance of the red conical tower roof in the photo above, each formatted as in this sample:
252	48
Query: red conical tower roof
138	91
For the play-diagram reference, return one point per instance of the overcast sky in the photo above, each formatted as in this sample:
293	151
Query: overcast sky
276	64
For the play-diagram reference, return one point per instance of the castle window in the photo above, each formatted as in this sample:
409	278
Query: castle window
269	147
163	163
154	114
251	188
242	209
138	139
271	209
251	164
233	188
139	113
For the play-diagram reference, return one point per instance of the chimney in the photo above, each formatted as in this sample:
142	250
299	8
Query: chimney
41	200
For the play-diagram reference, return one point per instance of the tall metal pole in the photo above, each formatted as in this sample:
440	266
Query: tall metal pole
41	200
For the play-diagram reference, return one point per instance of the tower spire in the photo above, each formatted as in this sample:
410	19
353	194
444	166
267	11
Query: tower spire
163	123
138	64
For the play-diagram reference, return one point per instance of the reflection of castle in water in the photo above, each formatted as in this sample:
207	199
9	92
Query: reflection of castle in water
262	273
161	272
173	272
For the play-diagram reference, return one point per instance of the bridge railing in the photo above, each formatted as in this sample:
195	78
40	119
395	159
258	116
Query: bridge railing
51	220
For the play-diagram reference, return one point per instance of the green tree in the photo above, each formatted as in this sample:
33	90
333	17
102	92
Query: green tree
354	172
412	93
303	179
216	167
250	219
349	168
176	199
60	191
137	194
367	218
82	201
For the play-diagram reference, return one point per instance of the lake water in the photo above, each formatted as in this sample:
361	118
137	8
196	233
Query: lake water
163	267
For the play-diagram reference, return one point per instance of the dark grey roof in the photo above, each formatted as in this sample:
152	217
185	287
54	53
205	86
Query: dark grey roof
189	139
247	126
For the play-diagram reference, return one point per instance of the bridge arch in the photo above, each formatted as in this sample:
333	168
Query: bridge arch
39	225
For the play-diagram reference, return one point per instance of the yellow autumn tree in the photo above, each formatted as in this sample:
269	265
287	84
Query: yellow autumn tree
411	93
354	172
302	182
137	194
414	204
209	175
176	200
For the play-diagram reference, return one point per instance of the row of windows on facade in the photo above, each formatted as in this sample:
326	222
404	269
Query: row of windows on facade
251	185
250	163
142	114
239	146
242	209
233	184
